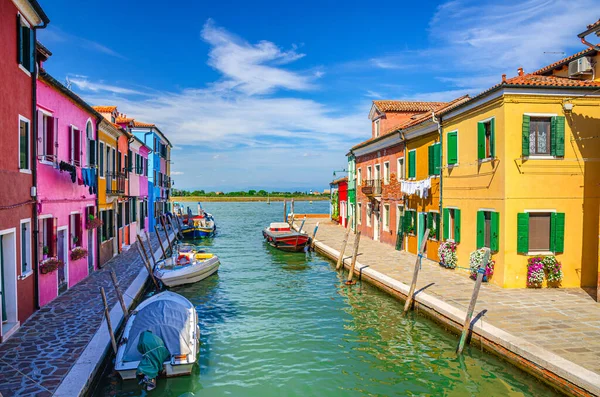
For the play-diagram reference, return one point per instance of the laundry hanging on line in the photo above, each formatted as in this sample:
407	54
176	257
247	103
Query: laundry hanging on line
418	188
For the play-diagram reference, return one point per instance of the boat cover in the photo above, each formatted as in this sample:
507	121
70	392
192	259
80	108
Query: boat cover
154	354
167	319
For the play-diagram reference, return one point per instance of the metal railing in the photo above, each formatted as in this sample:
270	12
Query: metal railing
115	183
371	187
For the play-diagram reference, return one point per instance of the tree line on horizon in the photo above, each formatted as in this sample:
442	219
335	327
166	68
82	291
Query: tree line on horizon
249	193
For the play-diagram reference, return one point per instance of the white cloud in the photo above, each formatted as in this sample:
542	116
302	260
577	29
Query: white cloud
53	34
176	173
86	85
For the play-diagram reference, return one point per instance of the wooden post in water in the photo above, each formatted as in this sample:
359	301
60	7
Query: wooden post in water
175	229
284	210
292	220
349	281
312	240
411	292
149	248
160	242
467	325
142	252
292	207
302	224
113	276
108	322
164	225
340	261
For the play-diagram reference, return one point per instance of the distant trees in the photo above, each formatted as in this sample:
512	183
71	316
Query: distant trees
251	192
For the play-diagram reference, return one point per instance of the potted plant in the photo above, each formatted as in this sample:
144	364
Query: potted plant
46	252
535	272
78	253
447	254
93	222
75	241
553	271
475	259
50	264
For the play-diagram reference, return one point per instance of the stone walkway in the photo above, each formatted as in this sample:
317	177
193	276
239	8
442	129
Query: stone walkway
563	321
35	360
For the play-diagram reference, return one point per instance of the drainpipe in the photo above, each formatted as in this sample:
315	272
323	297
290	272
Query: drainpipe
439	124
98	154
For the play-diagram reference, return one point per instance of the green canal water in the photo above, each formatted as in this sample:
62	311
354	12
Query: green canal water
283	324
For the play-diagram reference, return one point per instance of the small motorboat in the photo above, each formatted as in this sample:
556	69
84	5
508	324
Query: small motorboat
188	266
281	236
161	337
199	225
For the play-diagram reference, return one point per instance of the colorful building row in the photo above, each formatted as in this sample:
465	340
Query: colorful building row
79	182
514	169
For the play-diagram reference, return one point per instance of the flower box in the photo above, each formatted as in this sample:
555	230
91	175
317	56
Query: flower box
475	259
93	223
51	264
78	253
447	254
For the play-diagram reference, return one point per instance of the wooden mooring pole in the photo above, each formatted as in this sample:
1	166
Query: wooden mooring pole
150	248
285	211
349	281
411	292
160	242
113	276
312	240
164	225
108	322
340	261
144	256
467	325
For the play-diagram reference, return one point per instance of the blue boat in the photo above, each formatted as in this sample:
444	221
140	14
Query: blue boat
198	226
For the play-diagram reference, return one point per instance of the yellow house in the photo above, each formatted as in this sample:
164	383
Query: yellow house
521	172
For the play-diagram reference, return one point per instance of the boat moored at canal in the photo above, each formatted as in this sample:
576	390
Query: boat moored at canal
189	266
198	226
281	236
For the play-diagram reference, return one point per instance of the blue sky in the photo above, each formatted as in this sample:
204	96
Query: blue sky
272	94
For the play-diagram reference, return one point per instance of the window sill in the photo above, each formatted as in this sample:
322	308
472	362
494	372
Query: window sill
538	253
541	157
24	171
487	160
27	72
46	162
25	275
452	165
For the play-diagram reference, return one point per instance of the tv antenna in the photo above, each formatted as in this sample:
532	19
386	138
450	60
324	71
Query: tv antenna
68	83
555	52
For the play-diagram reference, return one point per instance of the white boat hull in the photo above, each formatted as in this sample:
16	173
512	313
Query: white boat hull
188	274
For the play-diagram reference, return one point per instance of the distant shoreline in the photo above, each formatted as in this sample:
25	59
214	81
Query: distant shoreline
247	198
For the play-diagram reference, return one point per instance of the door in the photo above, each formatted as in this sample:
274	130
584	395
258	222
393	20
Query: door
63	273
376	225
421	226
2	289
90	246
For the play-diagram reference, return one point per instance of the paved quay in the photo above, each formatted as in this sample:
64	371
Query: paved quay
44	351
557	329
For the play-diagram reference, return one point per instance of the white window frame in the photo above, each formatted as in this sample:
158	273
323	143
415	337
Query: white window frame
359	213
386	170
400	175
73	130
369	173
457	150
386	217
377	173
369	214
28	169
541	156
29	270
377	127
25	23
399	211
359	176
88	143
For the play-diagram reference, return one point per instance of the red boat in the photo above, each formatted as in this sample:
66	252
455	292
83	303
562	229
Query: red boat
281	236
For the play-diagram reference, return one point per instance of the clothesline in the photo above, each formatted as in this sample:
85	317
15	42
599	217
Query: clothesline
419	188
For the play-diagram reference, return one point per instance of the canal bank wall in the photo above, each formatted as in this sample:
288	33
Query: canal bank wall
554	369
60	349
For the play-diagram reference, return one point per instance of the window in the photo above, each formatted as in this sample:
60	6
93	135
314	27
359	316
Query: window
127	212
386	172
452	146
410	222
386	217
543	136
359	177
377	126
412	164
90	145
108	160
435	159
369	173
359	214
377	172
488	230
75	229
101	160
47	239
452	224
114	168
120	216
75	146
25	45
433	224
400	173
369	214
486	147
25	247
539	232
47	137
24	150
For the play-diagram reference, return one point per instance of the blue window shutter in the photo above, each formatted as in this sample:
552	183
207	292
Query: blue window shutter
19	40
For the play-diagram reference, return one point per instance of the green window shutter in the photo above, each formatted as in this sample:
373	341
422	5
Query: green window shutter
430	216
557	136
457	226
480	141
411	164
452	146
19	40
523	233
525	136
493	137
446	219
480	229
414	221
437	226
407	219
430	156
557	232
437	159
495	229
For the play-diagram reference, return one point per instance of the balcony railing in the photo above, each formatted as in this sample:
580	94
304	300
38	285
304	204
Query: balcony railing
115	183
372	187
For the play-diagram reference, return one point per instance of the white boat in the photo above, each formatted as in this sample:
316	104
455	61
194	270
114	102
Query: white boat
173	319
189	267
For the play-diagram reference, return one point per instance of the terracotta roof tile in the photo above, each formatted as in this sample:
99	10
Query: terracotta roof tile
564	61
594	25
142	124
549	81
124	119
105	109
406	106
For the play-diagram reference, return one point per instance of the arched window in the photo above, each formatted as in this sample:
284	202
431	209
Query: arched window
91	144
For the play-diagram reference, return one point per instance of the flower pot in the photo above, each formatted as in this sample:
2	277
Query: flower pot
45	256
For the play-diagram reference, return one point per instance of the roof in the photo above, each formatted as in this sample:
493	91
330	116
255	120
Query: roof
549	81
105	109
591	28
564	61
124	119
38	9
340	180
43	50
142	124
58	85
406	106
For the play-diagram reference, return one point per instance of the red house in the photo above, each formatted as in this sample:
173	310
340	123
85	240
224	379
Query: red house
339	210
19	21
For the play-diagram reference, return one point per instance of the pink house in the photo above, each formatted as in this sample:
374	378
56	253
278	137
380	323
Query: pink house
67	183
138	187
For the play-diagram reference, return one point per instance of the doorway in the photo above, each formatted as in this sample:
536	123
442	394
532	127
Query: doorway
8	282
421	226
62	250
90	247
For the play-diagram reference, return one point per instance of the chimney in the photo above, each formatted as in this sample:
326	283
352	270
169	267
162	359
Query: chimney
520	71
504	78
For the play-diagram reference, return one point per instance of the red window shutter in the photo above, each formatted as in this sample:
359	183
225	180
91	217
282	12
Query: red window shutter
71	145
40	133
54	240
54	138
78	230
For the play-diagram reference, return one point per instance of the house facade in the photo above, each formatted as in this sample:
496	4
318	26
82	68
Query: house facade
66	189
339	201
138	187
352	189
19	21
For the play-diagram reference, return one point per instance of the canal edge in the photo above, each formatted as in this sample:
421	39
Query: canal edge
83	373
561	374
